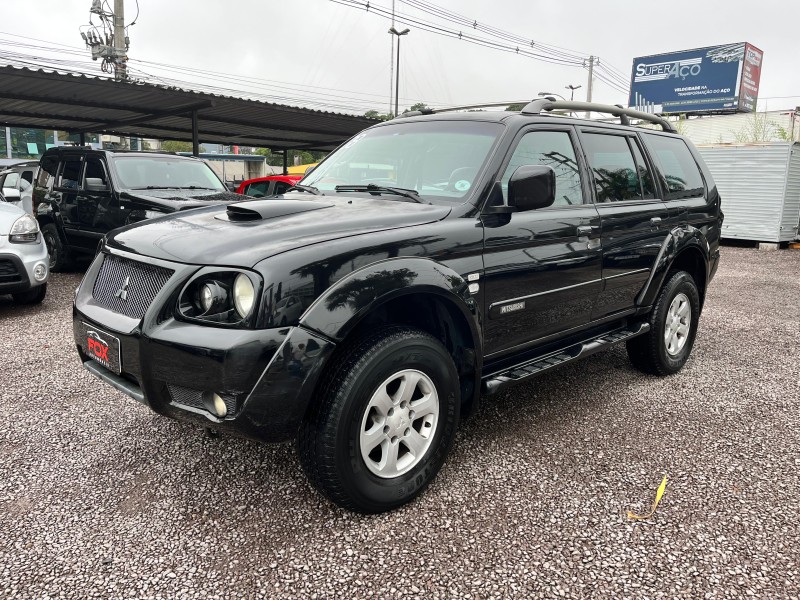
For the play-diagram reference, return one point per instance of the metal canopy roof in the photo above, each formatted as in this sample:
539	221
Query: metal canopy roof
77	103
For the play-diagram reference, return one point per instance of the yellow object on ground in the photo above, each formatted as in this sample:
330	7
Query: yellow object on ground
659	493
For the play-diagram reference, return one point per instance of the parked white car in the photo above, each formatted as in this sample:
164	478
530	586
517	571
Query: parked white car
16	182
23	256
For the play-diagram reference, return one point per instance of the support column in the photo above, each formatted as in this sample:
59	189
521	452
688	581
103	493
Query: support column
83	139
195	135
8	142
285	162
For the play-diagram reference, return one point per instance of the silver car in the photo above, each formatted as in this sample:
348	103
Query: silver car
16	182
23	256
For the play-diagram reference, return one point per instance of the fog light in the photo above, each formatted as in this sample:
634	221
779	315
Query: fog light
215	404
40	272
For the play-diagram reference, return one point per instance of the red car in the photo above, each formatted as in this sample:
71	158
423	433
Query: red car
262	187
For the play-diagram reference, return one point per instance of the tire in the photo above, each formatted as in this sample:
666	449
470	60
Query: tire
32	296
59	256
356	444
673	325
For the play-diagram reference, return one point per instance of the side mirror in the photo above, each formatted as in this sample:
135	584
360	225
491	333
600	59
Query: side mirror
531	187
11	194
95	184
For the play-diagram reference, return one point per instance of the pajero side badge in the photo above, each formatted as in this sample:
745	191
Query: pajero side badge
512	307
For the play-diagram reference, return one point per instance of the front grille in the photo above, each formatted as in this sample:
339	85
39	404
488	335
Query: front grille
8	272
194	398
143	283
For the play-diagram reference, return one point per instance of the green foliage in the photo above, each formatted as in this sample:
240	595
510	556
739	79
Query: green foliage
417	106
515	107
759	129
176	146
263	151
374	114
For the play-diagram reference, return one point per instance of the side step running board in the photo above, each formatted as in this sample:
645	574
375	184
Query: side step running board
492	383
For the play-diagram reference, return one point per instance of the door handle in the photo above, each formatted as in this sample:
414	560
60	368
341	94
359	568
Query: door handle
655	221
585	229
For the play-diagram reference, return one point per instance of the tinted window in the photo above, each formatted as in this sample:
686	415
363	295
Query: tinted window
281	187
553	149
257	190
678	168
27	176
95	178
645	177
70	172
616	176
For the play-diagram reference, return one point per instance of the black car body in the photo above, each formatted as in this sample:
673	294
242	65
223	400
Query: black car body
81	194
491	271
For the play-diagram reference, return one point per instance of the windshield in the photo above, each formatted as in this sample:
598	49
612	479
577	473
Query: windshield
142	172
437	159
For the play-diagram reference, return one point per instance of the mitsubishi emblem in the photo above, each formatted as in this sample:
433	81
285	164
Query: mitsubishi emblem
122	293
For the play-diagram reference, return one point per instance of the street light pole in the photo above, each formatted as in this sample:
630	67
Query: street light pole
546	94
572	89
399	34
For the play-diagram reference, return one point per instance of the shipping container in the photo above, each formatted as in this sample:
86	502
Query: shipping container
760	189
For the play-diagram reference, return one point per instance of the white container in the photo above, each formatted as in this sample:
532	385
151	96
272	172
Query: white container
760	189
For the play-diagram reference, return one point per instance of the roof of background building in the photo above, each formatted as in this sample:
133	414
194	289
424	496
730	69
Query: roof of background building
75	103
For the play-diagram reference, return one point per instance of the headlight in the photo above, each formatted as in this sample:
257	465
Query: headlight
24	229
244	295
222	297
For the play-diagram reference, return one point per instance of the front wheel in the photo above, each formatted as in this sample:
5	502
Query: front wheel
385	421
59	255
673	325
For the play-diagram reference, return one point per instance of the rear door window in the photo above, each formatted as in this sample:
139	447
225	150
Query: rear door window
679	172
70	173
617	175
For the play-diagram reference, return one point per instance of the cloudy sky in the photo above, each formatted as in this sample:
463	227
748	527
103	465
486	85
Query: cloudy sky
331	56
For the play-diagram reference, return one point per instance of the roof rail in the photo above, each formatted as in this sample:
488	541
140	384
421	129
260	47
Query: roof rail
539	105
431	111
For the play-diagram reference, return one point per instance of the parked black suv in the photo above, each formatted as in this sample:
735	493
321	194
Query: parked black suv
81	194
435	258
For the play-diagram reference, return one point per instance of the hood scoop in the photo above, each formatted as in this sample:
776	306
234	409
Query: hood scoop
257	210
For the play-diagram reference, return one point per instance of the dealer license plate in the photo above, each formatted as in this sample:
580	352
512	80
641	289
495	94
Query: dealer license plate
101	346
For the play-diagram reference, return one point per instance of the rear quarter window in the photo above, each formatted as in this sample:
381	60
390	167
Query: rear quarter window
680	173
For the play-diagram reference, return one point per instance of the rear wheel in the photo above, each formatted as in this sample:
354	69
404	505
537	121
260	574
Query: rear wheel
385	422
59	255
32	296
673	324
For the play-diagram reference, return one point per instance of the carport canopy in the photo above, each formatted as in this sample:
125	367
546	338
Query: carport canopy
83	104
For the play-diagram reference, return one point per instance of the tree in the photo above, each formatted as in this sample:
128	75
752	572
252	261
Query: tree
176	146
374	114
515	107
417	106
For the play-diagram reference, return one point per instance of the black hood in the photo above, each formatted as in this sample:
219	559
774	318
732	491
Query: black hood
254	230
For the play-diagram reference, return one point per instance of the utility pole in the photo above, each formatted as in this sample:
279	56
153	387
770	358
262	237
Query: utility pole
120	47
391	65
592	62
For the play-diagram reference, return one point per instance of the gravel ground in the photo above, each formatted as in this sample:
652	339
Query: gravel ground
100	498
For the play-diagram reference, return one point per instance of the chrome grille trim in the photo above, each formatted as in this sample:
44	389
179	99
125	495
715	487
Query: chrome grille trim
144	282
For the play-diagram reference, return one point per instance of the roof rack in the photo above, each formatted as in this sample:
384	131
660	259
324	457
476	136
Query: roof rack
431	111
539	105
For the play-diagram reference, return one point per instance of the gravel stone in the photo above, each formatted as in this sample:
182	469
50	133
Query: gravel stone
100	498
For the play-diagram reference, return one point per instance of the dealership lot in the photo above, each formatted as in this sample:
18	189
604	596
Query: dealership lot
101	498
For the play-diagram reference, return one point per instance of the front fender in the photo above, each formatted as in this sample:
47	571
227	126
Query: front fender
680	239
336	312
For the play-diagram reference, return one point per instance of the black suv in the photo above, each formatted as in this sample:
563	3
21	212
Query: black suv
434	258
81	194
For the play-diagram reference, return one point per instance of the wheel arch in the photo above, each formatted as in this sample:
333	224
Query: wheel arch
436	300
686	249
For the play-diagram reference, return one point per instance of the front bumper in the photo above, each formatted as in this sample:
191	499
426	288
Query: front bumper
17	262
266	377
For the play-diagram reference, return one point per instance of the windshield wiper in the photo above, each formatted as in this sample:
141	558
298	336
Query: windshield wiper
196	187
156	187
378	189
304	188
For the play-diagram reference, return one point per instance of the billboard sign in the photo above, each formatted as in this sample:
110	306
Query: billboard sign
717	78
